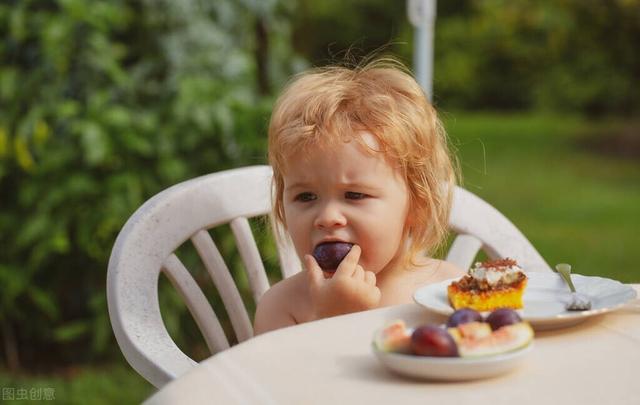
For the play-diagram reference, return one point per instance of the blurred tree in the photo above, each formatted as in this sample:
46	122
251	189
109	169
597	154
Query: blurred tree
323	31
103	104
561	55
593	57
565	55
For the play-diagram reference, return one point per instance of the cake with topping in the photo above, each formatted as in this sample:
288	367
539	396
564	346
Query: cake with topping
489	285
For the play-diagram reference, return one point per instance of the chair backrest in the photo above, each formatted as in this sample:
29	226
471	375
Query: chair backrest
146	245
479	226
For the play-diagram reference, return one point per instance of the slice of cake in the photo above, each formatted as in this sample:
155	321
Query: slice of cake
489	285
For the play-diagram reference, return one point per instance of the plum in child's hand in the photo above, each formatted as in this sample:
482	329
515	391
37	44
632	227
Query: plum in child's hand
330	254
462	316
503	317
432	340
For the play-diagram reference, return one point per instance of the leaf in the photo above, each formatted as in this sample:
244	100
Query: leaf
95	143
35	226
136	142
14	283
44	301
23	155
4	142
8	82
41	133
60	241
67	109
71	331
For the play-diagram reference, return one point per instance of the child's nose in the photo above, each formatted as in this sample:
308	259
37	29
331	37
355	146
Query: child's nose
330	216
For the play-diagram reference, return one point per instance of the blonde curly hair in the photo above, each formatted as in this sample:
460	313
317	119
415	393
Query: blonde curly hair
324	106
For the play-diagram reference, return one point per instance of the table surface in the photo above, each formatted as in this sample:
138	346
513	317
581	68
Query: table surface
330	362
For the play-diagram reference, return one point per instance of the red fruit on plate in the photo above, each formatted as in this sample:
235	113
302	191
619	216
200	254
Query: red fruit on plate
503	317
462	316
432	340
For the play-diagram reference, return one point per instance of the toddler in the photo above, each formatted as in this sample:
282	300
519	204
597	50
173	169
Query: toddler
358	156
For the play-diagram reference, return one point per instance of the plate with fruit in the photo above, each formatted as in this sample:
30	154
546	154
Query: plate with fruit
469	346
545	298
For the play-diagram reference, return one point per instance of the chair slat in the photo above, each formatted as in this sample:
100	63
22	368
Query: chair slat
250	254
223	281
464	250
197	303
289	261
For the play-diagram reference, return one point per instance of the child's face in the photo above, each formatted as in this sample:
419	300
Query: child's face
347	195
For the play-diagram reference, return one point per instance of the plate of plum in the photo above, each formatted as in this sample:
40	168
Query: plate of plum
469	346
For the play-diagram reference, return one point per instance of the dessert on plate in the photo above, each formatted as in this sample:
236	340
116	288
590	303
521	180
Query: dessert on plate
489	285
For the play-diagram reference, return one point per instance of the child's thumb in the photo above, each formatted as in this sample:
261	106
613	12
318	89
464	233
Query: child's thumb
315	272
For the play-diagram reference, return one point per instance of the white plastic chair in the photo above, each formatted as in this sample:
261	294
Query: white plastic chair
479	226
186	211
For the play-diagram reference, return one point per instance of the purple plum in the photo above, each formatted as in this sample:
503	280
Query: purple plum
462	316
330	254
431	340
503	317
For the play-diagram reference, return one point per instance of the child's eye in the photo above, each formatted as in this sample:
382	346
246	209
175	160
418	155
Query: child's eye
304	197
352	195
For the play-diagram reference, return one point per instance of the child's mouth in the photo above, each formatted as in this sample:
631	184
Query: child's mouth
330	254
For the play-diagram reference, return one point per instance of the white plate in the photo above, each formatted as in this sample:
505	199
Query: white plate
545	298
451	368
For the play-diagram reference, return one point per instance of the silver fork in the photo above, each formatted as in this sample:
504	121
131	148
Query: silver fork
578	302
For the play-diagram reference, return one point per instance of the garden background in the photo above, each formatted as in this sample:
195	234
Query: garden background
105	103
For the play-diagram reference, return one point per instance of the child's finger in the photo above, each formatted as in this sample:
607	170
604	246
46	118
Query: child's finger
348	265
370	277
359	274
315	272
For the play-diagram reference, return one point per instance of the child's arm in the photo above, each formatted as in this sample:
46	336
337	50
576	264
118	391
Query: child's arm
272	311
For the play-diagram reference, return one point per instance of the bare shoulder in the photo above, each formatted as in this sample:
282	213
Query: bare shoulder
282	305
399	289
435	270
448	269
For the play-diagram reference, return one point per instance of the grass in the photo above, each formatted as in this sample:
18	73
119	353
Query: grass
87	386
574	204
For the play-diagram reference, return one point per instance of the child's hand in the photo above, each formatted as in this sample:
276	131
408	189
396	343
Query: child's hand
351	289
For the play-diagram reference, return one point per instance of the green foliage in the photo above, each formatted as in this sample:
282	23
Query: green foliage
325	30
553	55
568	55
86	386
103	104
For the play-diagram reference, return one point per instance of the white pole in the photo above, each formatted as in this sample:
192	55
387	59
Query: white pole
422	15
